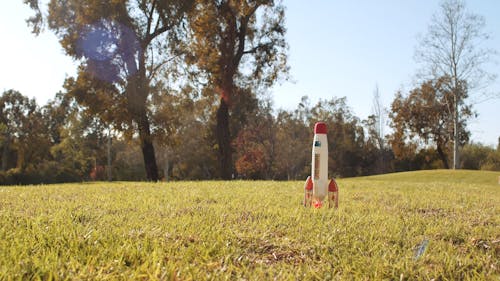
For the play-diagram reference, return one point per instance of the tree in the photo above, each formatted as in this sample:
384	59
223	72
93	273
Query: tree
187	150
492	161
253	152
24	135
236	44
375	127
475	155
378	118
452	48
79	149
425	115
55	115
122	46
293	147
256	145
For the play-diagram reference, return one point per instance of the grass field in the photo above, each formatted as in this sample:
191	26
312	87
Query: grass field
440	225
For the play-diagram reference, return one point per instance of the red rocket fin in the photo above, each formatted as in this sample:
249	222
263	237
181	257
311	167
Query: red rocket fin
309	184
333	187
333	194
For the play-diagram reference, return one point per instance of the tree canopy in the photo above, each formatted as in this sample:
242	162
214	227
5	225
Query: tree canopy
452	48
425	114
183	86
123	47
236	45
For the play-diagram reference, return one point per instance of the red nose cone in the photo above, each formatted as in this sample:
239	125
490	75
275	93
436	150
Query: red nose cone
320	128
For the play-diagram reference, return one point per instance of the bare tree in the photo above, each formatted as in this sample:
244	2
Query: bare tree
379	114
453	48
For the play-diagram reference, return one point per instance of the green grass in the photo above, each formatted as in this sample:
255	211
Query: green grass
255	230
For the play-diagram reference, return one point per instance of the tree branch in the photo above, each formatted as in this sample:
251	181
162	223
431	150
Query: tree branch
150	17
156	32
160	65
242	34
255	49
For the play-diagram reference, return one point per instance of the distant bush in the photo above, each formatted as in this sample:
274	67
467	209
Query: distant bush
492	162
45	173
474	156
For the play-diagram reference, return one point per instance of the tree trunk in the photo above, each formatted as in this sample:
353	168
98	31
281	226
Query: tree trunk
20	157
224	141
109	170
137	93
166	168
455	132
443	157
148	151
5	153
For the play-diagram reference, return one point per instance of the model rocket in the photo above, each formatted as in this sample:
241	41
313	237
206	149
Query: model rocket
318	187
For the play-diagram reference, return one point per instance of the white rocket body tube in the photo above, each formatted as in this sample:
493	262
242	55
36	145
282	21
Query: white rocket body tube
317	186
319	165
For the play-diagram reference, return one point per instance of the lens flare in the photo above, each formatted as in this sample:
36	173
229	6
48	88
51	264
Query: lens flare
110	49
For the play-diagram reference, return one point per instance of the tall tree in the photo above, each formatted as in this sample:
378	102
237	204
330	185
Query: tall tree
425	114
452	48
375	126
236	43
122	46
378	118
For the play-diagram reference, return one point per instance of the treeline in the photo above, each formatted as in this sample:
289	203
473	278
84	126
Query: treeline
62	142
177	90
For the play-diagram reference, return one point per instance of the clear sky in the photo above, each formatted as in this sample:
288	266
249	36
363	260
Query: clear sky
337	48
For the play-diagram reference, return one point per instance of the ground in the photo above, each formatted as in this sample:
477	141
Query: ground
441	225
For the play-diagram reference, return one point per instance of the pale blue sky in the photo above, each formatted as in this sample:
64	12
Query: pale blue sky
337	48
